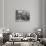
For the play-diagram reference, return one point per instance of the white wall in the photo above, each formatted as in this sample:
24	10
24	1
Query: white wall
1	15
44	18
34	6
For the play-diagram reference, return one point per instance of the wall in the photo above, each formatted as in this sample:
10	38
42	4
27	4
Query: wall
34	6
1	15
44	18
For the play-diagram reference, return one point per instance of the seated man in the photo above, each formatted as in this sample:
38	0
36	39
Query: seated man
5	37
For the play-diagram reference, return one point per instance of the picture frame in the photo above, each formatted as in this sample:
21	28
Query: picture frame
22	15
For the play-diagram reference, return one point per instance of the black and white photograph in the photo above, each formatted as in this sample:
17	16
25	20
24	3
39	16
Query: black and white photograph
22	22
22	15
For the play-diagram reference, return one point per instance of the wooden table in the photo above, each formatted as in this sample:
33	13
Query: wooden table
24	43
18	39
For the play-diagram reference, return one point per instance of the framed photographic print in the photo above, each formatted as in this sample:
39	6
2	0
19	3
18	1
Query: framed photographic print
22	15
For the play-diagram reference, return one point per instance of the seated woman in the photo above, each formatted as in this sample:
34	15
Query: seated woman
34	36
10	36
